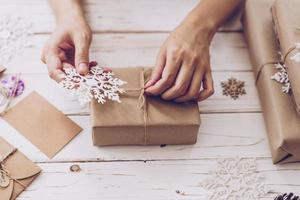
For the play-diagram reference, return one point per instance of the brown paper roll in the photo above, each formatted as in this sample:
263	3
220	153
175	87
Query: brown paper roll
281	119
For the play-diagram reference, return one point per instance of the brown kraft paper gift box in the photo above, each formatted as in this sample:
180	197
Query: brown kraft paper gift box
16	171
286	19
281	119
143	120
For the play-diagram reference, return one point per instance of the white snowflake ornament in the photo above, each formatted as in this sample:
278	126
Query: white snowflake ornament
235	179
281	76
14	36
98	84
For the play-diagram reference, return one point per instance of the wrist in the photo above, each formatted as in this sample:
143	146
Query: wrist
70	10
203	29
202	23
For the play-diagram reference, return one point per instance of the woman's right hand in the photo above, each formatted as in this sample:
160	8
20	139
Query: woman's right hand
69	43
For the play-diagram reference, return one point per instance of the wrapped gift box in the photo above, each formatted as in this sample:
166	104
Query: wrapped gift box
286	19
16	171
282	122
141	119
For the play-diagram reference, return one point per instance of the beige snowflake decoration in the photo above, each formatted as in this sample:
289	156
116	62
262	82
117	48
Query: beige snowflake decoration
233	88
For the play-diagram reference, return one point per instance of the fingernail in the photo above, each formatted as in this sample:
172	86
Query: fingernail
82	67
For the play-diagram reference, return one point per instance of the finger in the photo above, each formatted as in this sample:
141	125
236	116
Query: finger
208	87
158	69
54	64
82	46
67	65
194	89
173	63
182	81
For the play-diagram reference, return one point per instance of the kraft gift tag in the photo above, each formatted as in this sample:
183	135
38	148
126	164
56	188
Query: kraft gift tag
42	124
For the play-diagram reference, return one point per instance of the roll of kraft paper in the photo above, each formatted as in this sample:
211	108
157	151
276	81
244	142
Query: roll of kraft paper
281	119
286	19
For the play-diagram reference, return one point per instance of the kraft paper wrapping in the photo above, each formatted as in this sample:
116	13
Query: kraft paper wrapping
16	171
137	122
281	119
286	19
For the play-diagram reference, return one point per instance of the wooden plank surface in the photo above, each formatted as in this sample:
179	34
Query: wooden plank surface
220	135
113	16
217	103
128	33
146	180
228	51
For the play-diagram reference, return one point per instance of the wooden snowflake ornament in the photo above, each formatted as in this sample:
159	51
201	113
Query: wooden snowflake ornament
233	88
98	84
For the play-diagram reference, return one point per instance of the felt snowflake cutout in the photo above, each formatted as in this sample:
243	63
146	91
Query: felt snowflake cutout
14	34
98	84
233	88
235	179
281	76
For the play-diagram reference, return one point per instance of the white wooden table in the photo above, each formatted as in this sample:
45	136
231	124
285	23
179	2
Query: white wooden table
129	33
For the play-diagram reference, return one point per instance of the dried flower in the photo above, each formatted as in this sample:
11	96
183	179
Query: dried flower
9	83
233	88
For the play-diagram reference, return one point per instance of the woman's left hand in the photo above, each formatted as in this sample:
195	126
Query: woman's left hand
182	71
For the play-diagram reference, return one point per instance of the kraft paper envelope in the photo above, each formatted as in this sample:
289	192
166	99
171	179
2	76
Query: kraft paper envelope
17	172
42	124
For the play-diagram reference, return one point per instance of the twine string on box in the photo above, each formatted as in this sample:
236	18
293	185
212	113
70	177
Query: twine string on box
5	171
261	67
142	104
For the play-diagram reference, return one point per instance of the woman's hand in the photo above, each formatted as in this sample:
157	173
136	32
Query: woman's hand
182	71
183	66
69	43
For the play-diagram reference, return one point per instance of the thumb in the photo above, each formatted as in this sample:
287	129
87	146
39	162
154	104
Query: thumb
82	56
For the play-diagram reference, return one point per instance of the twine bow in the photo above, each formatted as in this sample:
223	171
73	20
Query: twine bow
142	104
5	176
